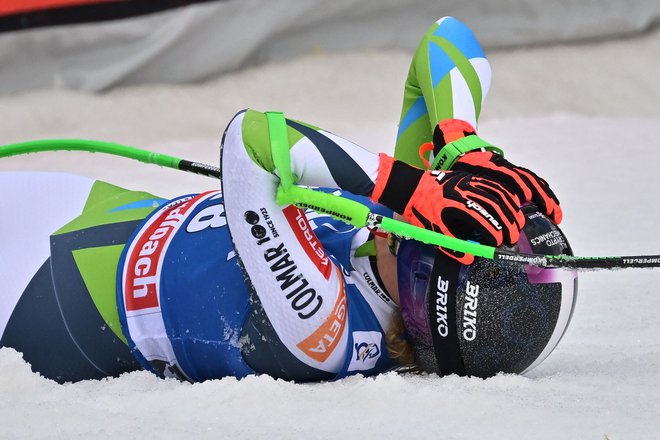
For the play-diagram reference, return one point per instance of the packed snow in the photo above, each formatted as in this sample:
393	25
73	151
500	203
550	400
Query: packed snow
586	117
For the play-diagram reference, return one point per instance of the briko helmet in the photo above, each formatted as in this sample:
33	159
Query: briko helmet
490	316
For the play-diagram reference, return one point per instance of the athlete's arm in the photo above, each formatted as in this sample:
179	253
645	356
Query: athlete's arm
447	84
449	77
318	157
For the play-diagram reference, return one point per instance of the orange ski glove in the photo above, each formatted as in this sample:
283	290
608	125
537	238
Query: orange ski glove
454	203
528	186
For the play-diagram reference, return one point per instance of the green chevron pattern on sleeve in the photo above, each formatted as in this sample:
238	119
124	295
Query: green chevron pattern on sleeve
107	204
98	268
447	51
467	72
418	89
421	130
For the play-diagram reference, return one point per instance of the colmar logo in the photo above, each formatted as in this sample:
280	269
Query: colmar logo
373	286
303	299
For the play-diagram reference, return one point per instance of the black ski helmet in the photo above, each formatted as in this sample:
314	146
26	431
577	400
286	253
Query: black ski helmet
490	316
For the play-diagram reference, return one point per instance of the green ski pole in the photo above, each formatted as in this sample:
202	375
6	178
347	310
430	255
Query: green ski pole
343	209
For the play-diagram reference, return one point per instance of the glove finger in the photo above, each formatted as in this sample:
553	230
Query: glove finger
556	214
452	216
492	207
511	201
513	217
540	184
461	257
455	221
546	187
542	195
494	167
493	213
467	224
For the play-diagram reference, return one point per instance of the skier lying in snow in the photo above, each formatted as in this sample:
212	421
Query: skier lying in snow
230	284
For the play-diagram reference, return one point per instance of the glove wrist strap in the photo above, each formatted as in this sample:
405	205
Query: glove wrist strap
450	153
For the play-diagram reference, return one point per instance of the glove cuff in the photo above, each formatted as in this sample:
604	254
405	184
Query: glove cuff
396	183
451	152
452	138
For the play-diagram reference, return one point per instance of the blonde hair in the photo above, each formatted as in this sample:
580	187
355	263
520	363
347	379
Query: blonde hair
397	343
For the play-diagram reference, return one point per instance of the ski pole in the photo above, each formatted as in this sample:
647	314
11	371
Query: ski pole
341	208
359	216
111	148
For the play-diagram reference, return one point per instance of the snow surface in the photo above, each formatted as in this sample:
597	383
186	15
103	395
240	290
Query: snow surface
585	117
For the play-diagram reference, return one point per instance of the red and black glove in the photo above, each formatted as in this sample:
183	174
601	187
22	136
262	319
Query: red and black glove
454	203
527	185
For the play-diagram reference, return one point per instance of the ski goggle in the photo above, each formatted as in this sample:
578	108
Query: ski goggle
414	269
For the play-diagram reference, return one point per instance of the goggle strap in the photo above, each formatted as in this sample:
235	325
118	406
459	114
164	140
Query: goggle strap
441	301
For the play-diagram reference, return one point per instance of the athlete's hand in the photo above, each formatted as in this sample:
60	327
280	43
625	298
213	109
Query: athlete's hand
527	185
454	203
462	205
